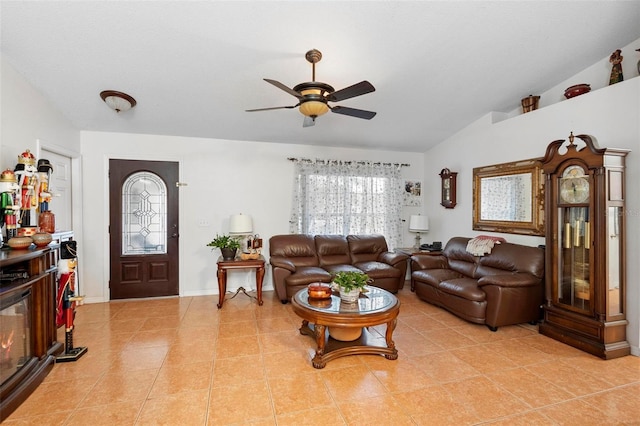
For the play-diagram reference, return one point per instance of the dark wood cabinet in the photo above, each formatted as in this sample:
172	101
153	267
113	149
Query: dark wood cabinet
585	255
27	312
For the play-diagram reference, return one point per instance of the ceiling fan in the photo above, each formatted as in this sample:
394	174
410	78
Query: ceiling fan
314	96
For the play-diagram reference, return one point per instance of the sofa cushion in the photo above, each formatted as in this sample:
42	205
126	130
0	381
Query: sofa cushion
298	249
459	259
467	288
512	257
366	248
332	250
378	270
308	274
435	276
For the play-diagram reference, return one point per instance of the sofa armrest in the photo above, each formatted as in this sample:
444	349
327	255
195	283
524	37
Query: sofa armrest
428	261
281	262
392	258
516	279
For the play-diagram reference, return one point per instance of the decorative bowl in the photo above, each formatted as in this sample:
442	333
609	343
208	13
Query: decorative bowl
20	243
319	290
41	239
578	89
249	256
26	231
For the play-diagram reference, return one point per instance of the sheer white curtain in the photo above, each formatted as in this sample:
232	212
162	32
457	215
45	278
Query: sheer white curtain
345	198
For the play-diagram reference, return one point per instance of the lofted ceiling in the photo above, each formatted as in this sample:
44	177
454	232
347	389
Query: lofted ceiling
194	67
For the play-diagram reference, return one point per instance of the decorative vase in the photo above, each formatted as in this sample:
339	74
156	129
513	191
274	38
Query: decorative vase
41	239
350	296
530	103
228	253
47	222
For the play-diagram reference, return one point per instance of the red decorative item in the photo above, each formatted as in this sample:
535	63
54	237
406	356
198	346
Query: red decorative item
578	89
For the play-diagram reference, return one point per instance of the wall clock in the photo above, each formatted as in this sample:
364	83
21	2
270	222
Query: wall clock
448	188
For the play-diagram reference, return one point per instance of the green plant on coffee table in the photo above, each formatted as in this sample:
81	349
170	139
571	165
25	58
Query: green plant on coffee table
350	280
224	241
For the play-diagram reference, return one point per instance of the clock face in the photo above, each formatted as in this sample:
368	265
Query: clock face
574	190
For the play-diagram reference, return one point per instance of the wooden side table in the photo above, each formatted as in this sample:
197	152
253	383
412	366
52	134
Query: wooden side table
224	265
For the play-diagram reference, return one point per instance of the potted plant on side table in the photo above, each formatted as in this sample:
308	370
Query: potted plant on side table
350	284
227	244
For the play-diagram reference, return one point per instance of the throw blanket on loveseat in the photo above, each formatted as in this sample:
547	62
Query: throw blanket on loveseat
481	246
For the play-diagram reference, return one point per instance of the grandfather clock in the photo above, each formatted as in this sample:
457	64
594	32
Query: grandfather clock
585	250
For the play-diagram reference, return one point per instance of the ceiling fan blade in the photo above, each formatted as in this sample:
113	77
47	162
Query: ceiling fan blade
359	113
283	87
357	89
308	121
270	108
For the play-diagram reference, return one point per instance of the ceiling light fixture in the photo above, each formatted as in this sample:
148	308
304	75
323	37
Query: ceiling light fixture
314	102
117	101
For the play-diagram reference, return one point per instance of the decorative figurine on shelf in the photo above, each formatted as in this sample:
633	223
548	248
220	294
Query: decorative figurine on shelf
46	220
27	199
9	209
616	70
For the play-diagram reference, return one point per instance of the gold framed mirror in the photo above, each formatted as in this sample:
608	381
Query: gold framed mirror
509	198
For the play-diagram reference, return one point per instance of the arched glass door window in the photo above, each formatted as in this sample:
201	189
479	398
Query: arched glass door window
144	214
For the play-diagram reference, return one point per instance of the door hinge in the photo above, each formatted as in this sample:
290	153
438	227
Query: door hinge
179	184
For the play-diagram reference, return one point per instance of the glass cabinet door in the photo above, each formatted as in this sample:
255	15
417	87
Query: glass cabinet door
574	281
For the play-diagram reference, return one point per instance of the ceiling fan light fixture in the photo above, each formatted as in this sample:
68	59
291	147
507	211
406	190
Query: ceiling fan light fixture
118	101
313	108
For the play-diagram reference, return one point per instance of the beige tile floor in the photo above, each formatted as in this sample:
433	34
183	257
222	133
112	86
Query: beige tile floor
181	361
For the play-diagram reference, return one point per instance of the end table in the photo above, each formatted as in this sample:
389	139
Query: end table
224	265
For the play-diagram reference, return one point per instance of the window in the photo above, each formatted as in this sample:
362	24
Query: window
144	214
347	198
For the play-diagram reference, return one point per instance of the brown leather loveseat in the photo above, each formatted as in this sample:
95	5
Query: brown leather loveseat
501	288
298	260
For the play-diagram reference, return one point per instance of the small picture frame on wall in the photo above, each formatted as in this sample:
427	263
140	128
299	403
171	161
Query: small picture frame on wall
412	193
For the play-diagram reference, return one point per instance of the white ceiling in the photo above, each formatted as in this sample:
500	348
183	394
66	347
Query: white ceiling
195	66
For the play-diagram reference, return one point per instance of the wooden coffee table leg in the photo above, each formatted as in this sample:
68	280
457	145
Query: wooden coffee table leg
391	325
318	361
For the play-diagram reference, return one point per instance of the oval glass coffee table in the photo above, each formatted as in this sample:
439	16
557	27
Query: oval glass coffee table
374	307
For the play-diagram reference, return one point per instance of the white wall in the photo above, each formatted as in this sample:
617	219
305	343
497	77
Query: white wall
27	117
29	121
223	178
611	114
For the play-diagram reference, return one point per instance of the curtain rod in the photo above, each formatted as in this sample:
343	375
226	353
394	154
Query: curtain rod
308	160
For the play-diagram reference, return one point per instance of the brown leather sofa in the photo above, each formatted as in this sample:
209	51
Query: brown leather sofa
298	260
501	288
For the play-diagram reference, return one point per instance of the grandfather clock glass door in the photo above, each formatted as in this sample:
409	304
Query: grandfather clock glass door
574	288
143	228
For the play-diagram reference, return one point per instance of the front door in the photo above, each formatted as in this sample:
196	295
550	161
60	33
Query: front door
143	228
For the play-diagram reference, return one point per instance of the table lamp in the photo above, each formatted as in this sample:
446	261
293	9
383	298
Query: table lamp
418	224
241	225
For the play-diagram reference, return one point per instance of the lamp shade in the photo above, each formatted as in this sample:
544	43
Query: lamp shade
418	223
240	224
